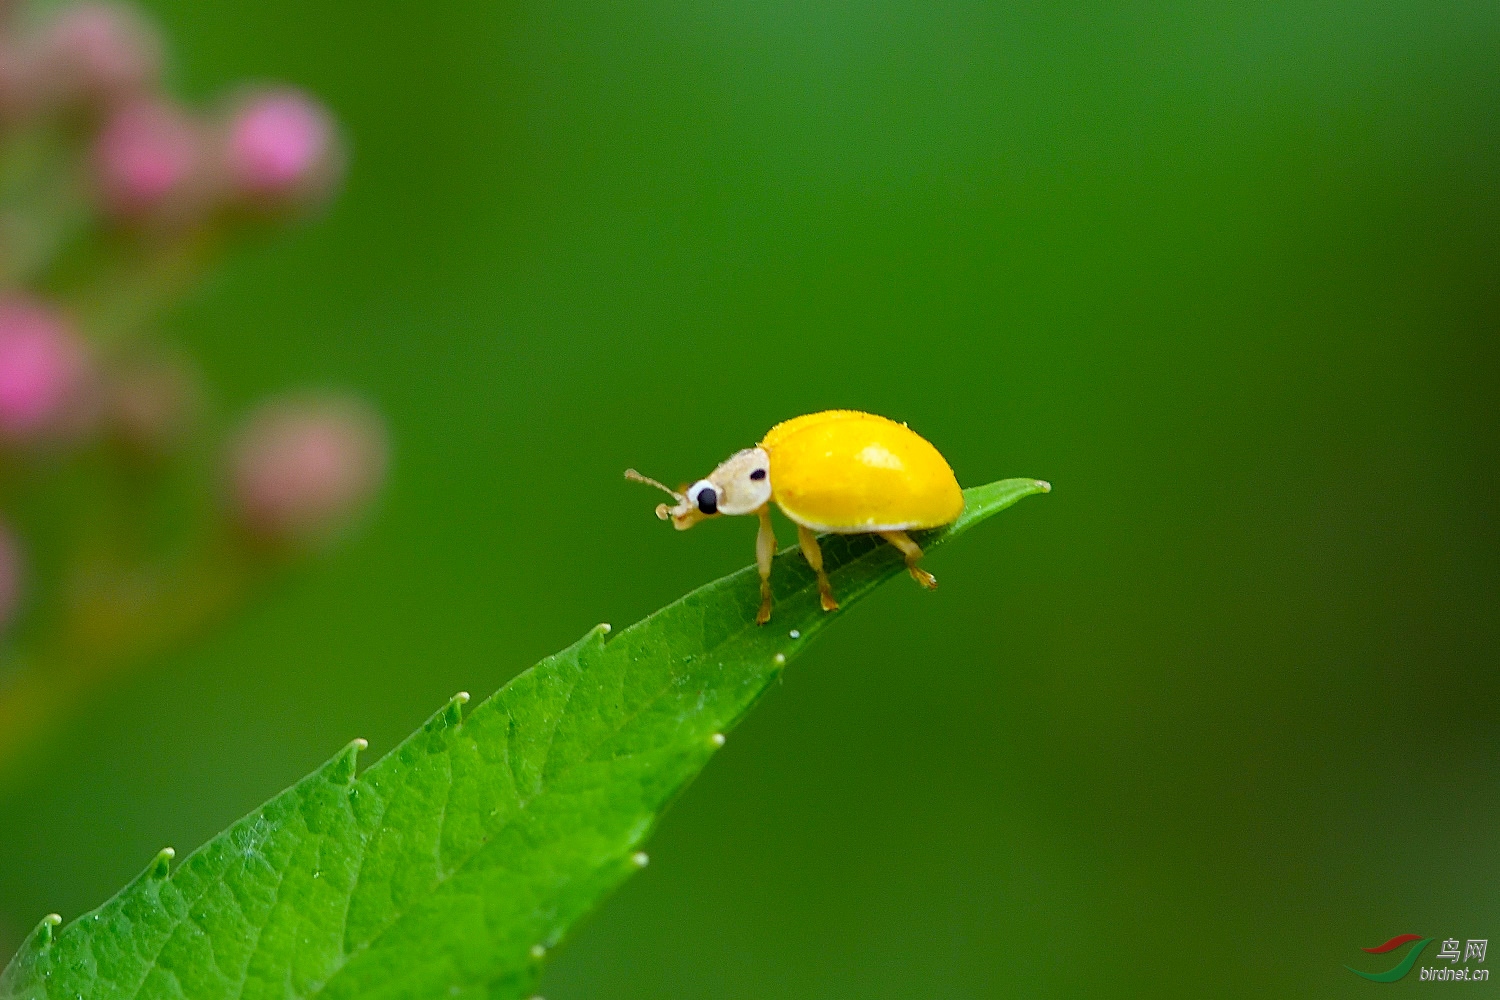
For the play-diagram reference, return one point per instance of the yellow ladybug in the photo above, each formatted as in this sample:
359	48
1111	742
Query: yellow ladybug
841	472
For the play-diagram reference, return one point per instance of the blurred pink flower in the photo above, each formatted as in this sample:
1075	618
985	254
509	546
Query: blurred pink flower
148	159
97	51
281	145
300	468
44	372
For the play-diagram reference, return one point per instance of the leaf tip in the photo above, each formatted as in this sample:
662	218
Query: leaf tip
982	502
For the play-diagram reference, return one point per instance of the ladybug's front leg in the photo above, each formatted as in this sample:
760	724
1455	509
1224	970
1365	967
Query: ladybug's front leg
765	548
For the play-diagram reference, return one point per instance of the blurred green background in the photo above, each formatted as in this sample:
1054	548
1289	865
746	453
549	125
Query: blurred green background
1216	714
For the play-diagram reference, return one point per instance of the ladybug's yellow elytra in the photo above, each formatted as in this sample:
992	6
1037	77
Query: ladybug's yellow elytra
839	472
846	472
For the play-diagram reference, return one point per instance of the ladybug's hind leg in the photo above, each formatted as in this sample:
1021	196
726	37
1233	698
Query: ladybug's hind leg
913	552
814	557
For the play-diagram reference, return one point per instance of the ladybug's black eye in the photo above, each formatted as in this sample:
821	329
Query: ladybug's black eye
758	474
708	500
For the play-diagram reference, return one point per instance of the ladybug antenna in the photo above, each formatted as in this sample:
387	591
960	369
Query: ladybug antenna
661	509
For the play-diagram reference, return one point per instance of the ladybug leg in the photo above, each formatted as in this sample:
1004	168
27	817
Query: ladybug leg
814	557
913	552
765	548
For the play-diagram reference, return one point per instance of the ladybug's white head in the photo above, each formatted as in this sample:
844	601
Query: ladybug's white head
740	485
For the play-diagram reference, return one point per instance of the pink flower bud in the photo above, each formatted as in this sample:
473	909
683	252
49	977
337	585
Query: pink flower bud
280	147
301	468
148	160
45	373
97	52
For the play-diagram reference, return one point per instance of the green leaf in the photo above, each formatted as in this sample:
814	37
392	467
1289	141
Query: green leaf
454	863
